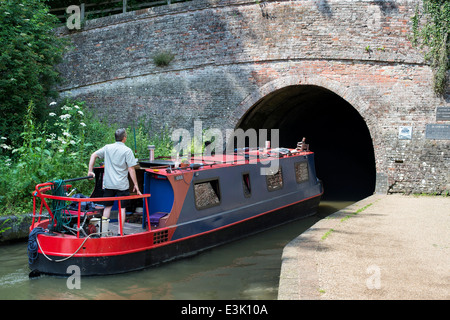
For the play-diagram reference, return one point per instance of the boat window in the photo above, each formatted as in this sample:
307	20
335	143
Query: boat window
246	185
301	172
207	194
275	180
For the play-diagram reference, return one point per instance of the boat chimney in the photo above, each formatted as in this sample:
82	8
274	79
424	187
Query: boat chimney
151	149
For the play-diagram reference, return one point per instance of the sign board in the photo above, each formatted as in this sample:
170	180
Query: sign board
405	132
436	131
442	113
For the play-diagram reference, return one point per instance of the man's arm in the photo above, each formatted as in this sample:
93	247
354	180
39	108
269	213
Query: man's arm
94	156
132	172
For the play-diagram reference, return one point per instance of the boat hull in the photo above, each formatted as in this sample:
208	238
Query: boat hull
151	255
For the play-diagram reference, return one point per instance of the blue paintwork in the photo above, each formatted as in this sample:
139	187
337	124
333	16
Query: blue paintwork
162	196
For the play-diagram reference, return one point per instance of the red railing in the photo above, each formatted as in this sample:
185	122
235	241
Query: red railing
44	187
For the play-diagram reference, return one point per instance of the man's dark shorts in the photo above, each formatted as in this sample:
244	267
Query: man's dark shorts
107	193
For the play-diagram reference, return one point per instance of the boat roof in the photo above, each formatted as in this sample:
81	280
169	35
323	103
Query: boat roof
202	162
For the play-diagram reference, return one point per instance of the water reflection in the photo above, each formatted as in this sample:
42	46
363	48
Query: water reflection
247	269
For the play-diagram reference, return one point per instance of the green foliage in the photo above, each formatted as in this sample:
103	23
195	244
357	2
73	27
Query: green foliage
434	35
54	149
40	143
163	59
30	50
60	148
140	134
3	229
163	143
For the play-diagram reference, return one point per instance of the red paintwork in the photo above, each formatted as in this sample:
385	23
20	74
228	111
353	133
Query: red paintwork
65	245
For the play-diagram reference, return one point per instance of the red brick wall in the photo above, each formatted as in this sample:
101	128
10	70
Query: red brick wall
229	54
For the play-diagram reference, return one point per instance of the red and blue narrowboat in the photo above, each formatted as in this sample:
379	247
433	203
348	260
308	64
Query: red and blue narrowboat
182	211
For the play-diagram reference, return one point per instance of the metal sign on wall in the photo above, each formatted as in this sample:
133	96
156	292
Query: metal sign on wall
405	133
442	113
436	131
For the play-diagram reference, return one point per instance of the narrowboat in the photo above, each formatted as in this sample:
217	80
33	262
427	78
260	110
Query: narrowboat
182	211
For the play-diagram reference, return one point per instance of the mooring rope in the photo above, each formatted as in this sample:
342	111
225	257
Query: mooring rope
66	258
59	207
33	245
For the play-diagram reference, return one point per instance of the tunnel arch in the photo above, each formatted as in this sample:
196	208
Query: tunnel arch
335	123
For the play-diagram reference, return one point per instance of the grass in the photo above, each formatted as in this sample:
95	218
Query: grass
356	212
163	59
346	218
327	234
445	193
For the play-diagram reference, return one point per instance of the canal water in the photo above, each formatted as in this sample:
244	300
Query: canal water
246	269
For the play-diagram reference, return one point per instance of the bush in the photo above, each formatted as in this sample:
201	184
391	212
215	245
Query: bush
55	149
163	59
60	148
30	50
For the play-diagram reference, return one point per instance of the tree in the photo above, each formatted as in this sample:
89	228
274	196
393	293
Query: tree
29	53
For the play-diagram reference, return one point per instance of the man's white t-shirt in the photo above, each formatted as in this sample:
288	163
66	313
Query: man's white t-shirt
118	158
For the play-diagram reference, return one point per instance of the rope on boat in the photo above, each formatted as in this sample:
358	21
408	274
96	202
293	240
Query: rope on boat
59	207
33	244
66	258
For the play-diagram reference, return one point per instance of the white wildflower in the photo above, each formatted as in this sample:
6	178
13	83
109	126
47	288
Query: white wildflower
82	124
49	140
64	116
66	133
52	103
72	142
60	139
52	114
3	138
5	146
76	107
81	112
61	150
66	108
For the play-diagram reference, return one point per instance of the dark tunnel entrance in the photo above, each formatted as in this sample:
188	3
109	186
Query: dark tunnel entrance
335	131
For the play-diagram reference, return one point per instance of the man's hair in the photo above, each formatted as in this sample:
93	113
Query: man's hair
120	134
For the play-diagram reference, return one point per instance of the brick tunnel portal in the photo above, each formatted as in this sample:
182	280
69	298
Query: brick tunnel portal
334	129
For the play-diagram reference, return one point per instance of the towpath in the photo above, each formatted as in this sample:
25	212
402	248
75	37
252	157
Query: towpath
390	247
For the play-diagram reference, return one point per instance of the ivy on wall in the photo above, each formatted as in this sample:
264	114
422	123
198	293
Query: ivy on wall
431	28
